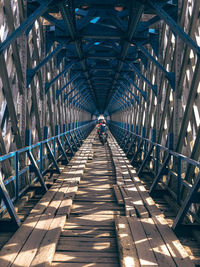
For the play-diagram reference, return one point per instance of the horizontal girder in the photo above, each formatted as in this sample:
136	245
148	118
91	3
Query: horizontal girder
101	41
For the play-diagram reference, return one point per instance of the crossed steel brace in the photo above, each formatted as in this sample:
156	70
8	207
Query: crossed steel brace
67	143
139	144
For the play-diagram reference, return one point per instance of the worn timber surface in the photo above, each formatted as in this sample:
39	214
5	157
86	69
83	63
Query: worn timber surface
97	213
88	237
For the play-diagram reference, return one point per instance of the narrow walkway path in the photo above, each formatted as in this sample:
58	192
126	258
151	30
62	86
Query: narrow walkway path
88	237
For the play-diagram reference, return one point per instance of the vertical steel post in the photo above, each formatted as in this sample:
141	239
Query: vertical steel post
16	174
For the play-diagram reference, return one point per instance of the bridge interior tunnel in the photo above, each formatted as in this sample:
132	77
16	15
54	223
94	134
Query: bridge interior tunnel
66	62
63	63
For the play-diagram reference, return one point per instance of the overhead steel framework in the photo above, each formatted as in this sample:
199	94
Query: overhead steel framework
64	62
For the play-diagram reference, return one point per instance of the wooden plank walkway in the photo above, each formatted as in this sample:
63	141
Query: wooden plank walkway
144	237
96	214
35	241
88	237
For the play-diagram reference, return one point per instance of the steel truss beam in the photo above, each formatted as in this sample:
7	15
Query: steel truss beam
26	24
174	26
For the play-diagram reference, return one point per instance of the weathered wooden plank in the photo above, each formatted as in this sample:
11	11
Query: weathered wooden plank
90	244
180	256
118	195
127	250
33	226
136	200
95	214
92	248
129	207
29	250
76	264
144	250
82	257
71	233
10	251
47	247
173	244
65	207
159	247
83	198
70	225
95	208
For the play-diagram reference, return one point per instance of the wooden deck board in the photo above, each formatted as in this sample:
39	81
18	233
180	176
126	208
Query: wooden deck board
171	252
143	247
88	237
126	246
84	257
21	249
91	264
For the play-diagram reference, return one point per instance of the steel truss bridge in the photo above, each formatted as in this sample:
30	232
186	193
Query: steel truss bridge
63	63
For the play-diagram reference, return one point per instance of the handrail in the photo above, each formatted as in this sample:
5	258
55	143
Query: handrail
182	180
24	149
189	160
56	148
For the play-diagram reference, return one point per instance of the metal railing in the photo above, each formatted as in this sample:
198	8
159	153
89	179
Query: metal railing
34	161
178	174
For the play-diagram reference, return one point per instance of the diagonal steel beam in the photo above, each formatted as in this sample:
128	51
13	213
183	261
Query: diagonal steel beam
67	17
127	89
132	66
169	75
124	99
76	87
143	93
81	98
58	92
134	18
32	72
69	66
131	100
25	25
174	26
80	91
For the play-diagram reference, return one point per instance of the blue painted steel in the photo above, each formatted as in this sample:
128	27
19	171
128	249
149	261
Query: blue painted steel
58	92
67	68
16	175
143	131
75	87
32	72
169	76
157	159
131	127
174	26
41	157
154	87
179	180
144	94
79	92
25	25
170	141
87	127
28	137
102	46
153	135
162	167
136	129
132	101
57	129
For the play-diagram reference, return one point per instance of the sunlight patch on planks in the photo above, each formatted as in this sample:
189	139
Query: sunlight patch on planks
35	241
144	235
88	237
